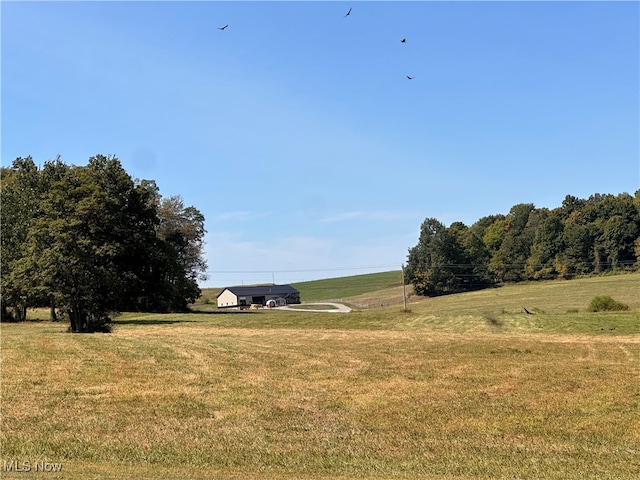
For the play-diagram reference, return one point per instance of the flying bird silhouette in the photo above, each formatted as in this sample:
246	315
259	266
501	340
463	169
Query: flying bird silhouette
222	28
348	13
404	40
410	78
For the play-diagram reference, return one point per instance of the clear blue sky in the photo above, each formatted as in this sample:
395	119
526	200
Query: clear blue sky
296	132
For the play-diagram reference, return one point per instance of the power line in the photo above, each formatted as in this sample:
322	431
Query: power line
302	270
439	265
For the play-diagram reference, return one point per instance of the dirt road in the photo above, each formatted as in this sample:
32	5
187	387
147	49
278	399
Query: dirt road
308	307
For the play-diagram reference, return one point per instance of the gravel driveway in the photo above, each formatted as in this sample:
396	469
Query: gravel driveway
308	307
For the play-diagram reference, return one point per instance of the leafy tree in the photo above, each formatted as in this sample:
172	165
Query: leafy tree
597	233
578	240
432	264
546	246
621	228
182	231
91	240
509	260
76	246
571	204
617	240
463	246
478	253
494	233
20	191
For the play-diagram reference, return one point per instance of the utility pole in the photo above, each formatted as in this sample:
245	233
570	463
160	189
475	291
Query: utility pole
404	290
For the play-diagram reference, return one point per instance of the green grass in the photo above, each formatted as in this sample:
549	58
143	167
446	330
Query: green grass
345	287
313	306
460	387
383	289
331	288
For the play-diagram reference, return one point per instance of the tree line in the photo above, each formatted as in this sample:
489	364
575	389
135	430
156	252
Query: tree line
90	240
583	236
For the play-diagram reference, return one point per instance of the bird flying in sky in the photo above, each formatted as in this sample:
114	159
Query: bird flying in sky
222	28
348	13
410	78
404	40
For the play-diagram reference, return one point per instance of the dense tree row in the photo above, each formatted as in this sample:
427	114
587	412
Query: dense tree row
582	236
89	240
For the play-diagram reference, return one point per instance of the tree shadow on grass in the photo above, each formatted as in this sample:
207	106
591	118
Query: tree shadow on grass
222	312
170	321
143	321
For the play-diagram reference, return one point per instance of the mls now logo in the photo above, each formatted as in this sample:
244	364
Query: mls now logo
27	466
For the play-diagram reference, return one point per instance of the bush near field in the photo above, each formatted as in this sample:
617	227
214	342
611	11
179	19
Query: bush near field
604	303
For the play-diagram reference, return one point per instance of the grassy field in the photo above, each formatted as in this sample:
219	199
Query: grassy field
347	287
459	387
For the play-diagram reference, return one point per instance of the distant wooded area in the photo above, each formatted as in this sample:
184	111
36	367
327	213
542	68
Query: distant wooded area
582	236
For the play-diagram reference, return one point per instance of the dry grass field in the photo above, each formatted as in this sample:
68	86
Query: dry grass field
459	387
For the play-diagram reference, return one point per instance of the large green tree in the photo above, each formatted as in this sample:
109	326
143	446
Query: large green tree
77	249
20	190
181	231
508	261
437	264
96	241
478	252
546	246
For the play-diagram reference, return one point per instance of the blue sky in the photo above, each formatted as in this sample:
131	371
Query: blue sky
296	132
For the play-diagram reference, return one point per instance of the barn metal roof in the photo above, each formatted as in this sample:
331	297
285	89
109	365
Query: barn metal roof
261	290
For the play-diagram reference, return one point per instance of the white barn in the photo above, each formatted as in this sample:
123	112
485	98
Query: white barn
235	297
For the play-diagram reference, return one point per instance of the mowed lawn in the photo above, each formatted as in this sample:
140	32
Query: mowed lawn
459	387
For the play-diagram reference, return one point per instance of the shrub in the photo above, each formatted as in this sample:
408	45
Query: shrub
605	303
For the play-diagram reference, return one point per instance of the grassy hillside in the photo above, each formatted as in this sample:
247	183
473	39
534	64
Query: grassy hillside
331	288
345	287
459	387
551	297
383	289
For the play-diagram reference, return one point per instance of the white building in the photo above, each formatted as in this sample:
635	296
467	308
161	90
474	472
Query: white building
234	297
